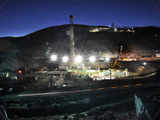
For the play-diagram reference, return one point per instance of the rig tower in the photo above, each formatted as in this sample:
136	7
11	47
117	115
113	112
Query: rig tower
72	41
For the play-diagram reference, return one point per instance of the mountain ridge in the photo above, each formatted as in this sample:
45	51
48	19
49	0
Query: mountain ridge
88	40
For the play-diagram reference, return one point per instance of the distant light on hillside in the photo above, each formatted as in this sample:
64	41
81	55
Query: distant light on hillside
144	63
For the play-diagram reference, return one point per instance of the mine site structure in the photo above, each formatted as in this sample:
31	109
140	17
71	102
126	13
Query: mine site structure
99	62
56	75
72	40
79	58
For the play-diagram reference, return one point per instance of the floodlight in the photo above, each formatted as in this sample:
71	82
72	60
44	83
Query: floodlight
78	59
92	59
65	59
53	57
107	59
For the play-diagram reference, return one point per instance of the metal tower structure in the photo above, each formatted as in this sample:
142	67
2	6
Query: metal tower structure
72	41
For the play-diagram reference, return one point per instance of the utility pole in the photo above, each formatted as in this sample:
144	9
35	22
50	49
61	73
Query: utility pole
110	72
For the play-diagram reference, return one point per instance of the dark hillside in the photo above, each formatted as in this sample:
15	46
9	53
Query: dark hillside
42	43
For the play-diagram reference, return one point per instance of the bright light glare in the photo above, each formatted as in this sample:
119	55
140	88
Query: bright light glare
65	59
107	59
92	59
78	59
144	63
53	57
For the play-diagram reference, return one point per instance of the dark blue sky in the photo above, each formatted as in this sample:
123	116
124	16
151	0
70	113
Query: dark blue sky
20	17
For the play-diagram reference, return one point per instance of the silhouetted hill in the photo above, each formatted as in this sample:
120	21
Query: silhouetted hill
88	40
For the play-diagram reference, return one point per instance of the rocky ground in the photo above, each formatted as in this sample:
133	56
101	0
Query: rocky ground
97	115
99	104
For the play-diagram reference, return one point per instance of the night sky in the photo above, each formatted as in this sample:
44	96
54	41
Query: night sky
21	17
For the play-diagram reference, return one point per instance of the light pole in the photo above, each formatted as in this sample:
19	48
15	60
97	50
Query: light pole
110	75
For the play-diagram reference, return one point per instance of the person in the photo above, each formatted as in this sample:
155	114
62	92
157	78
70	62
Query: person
52	80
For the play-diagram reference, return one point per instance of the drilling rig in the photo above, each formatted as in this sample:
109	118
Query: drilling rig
72	41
